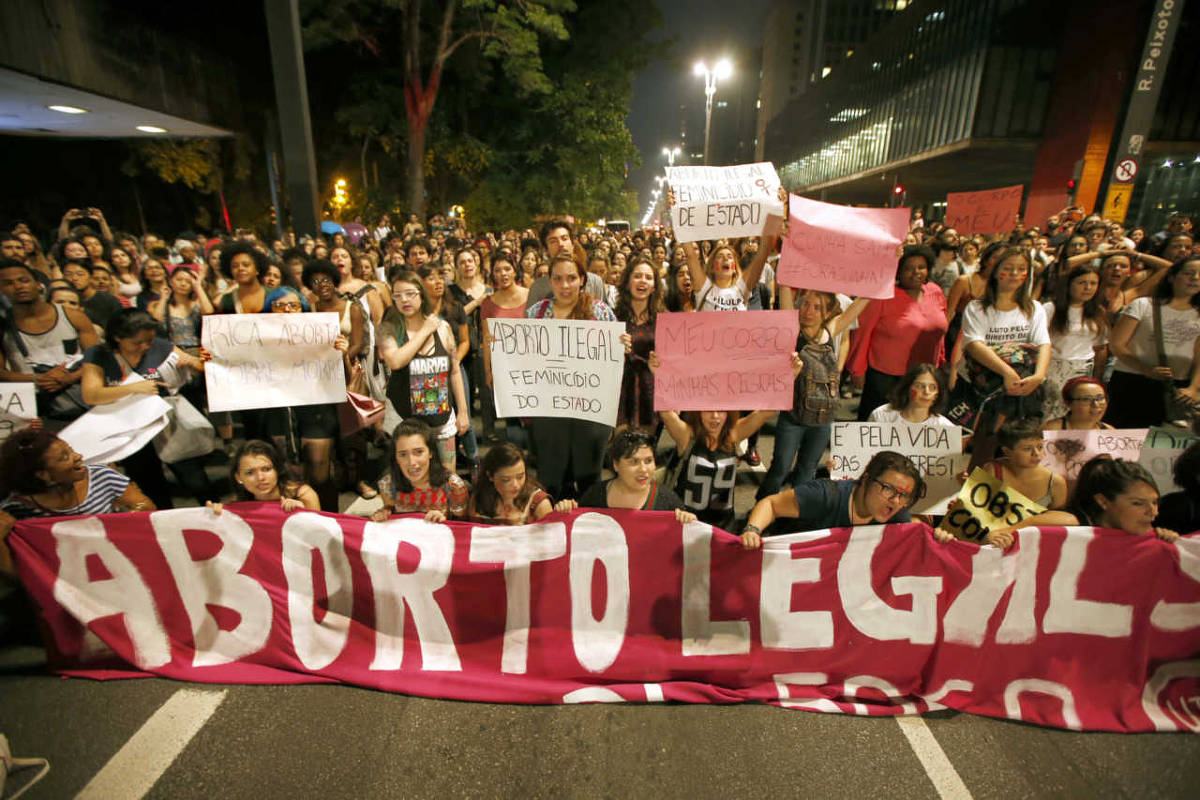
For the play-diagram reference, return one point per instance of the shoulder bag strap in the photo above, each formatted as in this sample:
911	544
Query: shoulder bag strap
1158	334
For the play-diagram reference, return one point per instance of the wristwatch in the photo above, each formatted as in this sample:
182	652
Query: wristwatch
752	528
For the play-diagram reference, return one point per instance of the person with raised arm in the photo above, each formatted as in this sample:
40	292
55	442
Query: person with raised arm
706	454
889	485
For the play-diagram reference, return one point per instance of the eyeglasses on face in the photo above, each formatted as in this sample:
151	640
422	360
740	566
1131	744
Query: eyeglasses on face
1095	401
891	492
286	305
321	280
408	295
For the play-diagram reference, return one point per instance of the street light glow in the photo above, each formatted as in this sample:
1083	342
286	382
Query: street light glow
723	69
699	68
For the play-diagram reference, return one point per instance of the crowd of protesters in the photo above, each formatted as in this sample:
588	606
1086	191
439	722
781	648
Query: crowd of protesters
1075	325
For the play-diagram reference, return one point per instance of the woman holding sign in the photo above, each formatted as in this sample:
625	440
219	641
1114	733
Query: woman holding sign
723	285
1109	493
570	452
133	349
417	481
706	454
1021	446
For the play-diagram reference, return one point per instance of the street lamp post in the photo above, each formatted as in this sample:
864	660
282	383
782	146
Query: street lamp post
670	153
722	70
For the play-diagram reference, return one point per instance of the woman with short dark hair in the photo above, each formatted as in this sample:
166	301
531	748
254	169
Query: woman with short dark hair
889	485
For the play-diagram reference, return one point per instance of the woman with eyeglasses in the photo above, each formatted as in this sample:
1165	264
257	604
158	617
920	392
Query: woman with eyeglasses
1085	401
420	349
887	488
918	399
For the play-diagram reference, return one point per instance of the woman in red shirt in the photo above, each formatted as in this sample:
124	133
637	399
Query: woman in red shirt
897	333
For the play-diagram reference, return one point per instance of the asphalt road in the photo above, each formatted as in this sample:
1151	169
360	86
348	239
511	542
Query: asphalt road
133	738
157	738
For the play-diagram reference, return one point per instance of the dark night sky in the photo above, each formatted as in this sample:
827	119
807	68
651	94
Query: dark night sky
703	29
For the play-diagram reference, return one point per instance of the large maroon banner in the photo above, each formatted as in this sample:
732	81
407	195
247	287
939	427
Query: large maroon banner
1075	628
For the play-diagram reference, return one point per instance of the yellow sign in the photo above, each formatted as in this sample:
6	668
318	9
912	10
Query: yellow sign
985	503
1116	204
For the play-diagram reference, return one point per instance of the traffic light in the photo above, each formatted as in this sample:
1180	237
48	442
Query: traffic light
899	189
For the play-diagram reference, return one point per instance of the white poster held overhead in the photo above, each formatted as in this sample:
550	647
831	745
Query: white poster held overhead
725	202
936	452
272	360
18	405
557	368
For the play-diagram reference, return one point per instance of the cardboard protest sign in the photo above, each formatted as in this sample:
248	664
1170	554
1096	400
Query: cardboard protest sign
724	202
557	368
1097	632
1067	451
834	248
18	405
272	360
985	502
712	360
936	452
1160	450
987	211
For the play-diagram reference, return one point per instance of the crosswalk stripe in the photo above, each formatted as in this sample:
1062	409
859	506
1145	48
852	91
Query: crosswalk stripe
143	759
933	758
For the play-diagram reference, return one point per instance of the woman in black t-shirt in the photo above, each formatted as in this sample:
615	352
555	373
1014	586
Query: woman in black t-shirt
631	455
132	347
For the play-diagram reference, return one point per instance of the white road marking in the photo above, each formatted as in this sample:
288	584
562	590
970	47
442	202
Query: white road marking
143	759
933	758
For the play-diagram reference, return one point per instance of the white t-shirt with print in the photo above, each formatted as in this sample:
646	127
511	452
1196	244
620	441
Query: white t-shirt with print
995	327
712	298
1180	330
1078	341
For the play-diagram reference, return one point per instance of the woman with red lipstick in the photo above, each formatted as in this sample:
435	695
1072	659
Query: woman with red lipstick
44	477
639	299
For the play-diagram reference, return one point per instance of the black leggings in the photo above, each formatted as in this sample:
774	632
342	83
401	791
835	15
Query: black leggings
570	454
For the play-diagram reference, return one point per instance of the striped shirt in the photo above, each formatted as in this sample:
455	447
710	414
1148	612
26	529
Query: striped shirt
104	486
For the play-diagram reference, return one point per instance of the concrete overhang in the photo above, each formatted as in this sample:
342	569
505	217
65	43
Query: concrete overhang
24	111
